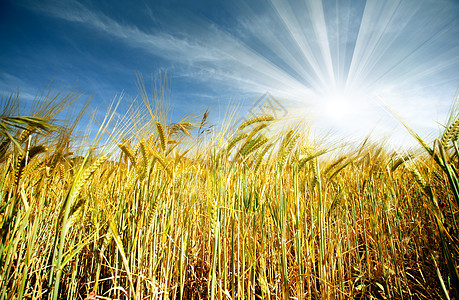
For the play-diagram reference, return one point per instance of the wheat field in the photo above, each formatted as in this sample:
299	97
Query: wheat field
184	210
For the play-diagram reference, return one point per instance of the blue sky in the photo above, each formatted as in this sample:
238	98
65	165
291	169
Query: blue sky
335	61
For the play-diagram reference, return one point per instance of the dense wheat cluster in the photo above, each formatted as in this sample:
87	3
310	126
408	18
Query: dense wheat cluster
255	213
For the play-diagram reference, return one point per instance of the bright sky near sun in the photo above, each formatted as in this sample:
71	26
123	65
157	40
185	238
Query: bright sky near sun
335	61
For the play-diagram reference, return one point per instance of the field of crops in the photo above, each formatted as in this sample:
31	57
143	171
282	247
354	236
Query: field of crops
188	210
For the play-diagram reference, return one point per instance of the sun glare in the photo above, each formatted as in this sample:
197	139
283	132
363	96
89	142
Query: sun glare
335	107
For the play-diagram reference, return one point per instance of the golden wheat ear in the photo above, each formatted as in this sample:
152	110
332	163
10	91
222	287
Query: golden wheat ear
450	134
127	151
4	145
254	144
305	158
80	179
235	140
249	137
261	155
162	137
21	162
256	120
182	127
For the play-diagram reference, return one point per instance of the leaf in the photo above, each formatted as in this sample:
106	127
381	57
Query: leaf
380	286
119	244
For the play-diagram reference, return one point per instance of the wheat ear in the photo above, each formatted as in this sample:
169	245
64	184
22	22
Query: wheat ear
305	159
287	149
162	162
80	181
127	152
450	134
256	120
250	136
261	155
337	162
254	145
162	137
235	140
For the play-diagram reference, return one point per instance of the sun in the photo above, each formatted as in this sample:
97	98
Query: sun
335	107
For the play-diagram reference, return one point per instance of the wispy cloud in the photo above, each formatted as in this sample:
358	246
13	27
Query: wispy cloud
212	51
160	44
10	84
